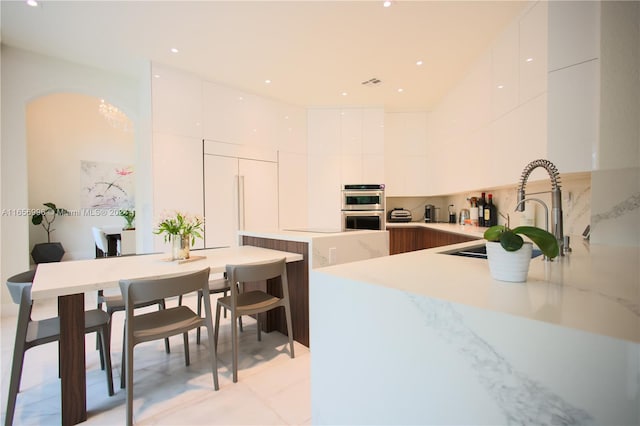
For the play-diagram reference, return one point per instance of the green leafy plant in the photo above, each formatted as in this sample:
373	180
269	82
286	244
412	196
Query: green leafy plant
182	224
47	216
511	240
129	216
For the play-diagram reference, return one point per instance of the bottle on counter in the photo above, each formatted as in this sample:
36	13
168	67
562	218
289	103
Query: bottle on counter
490	212
473	212
481	203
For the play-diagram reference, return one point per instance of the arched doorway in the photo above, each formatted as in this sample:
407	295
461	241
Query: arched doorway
80	156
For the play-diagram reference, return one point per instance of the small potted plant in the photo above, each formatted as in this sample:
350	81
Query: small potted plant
129	216
509	255
47	252
181	230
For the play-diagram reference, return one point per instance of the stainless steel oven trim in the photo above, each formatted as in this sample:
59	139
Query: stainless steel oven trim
363	213
374	193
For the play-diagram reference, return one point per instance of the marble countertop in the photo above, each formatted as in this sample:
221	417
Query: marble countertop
595	288
301	235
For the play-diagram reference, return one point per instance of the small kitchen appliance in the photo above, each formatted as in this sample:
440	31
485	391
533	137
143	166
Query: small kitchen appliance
452	214
430	213
399	214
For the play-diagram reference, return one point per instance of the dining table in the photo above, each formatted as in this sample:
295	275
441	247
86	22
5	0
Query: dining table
69	280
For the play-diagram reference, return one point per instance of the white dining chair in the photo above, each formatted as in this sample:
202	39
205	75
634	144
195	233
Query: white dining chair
100	239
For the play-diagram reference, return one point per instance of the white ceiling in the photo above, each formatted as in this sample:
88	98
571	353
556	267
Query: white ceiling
312	51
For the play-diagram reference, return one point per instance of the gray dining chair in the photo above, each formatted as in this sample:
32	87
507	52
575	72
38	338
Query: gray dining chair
31	333
115	303
253	302
216	286
149	326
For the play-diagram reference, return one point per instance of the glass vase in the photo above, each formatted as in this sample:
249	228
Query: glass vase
181	244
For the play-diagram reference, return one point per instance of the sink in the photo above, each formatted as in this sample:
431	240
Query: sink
480	252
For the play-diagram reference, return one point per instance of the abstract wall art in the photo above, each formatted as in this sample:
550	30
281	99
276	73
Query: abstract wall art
107	185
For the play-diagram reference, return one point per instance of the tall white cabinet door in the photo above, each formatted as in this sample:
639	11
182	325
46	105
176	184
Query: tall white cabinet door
238	194
258	195
220	201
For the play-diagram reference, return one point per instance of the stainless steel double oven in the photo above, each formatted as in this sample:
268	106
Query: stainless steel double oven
363	207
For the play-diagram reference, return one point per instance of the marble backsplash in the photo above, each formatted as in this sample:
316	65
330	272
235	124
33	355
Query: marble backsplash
576	202
615	211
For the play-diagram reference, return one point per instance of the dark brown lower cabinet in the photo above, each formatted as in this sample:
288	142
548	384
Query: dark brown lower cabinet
402	240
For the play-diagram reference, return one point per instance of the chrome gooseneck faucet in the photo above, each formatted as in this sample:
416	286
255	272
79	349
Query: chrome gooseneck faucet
556	196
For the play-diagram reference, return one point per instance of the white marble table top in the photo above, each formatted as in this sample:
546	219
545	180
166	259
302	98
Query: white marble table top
79	276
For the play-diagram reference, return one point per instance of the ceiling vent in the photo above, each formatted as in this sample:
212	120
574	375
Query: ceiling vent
372	82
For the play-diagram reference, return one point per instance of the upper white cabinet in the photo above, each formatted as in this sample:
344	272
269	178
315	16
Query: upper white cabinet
405	156
532	52
574	32
233	116
573	84
345	146
573	110
176	102
504	72
225	113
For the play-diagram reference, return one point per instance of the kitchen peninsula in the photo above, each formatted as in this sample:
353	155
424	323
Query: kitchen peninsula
433	339
319	247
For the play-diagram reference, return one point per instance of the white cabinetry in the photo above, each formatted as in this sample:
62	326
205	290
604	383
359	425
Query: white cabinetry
177	177
406	162
240	192
574	84
345	146
176	102
574	32
504	72
533	52
238	117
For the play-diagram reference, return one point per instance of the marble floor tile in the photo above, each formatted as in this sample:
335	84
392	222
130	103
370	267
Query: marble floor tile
272	388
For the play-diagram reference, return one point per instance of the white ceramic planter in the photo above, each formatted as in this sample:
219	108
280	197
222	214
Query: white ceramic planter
512	266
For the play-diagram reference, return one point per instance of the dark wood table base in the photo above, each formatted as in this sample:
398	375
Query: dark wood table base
72	359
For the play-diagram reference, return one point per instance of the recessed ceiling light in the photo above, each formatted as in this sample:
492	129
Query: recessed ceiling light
174	50
267	81
400	90
32	3
156	76
344	93
418	63
386	3
240	98
529	59
500	86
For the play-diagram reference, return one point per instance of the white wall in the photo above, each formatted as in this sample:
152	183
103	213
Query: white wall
63	130
27	76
